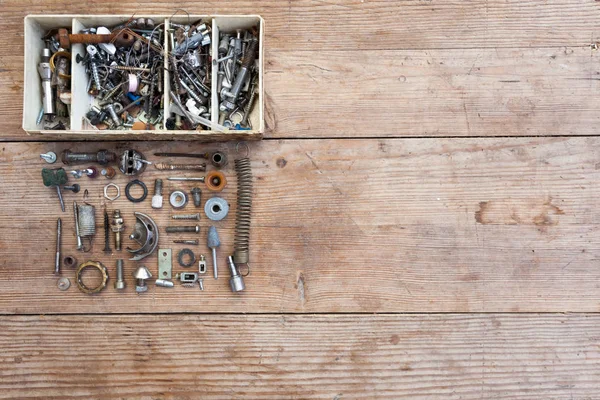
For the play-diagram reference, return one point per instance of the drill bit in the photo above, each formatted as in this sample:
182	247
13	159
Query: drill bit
213	242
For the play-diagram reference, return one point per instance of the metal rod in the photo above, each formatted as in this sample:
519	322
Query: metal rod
58	243
76	214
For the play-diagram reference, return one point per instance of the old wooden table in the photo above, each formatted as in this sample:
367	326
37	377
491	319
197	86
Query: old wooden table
425	226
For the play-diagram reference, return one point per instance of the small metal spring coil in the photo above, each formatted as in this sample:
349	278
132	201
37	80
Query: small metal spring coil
241	254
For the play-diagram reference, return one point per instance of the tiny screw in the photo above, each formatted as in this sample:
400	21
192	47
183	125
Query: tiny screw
49	157
63	284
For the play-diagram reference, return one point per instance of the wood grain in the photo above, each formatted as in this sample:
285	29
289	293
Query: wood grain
412	93
434	93
314	25
424	225
409	69
301	357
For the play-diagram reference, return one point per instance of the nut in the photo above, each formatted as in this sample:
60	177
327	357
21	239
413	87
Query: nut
112	198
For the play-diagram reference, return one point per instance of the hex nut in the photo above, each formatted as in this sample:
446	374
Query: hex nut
112	198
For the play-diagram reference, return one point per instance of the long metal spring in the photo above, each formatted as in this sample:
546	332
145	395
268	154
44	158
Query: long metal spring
243	214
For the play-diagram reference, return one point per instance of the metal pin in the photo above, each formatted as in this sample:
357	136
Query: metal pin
58	242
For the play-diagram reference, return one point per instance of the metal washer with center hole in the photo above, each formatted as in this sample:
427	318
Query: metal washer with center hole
216	208
178	199
186	252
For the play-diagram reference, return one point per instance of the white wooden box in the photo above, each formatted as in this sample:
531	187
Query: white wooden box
37	25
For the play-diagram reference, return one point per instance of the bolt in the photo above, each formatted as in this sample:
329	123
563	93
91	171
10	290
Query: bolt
195	241
236	282
182	229
187	216
117	227
102	157
120	283
73	188
141	275
113	114
107	248
49	157
197	196
157	199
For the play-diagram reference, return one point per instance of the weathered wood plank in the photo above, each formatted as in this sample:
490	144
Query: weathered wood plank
478	92
308	357
458	225
315	90
382	24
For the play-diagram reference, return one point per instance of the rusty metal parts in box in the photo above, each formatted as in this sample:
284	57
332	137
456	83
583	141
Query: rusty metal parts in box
157	76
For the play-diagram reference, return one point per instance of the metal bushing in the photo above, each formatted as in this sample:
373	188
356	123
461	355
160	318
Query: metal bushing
140	184
218	159
215	181
178	199
69	261
216	208
186	252
91	264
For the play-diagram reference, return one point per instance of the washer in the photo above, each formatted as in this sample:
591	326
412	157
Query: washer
216	208
186	252
178	199
140	184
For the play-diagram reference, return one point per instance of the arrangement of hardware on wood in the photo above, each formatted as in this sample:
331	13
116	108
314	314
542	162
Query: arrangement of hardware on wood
145	232
118	74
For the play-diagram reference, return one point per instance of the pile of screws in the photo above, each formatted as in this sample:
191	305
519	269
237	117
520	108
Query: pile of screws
190	71
237	80
125	76
125	66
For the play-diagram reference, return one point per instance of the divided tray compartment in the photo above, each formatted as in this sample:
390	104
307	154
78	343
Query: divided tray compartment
37	25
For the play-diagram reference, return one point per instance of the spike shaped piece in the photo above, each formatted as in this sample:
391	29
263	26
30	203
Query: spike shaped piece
213	242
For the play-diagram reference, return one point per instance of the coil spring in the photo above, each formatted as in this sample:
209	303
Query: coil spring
243	213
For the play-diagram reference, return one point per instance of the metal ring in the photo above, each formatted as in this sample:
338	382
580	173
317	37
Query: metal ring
237	148
106	192
99	267
182	253
178	199
216	208
140	184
